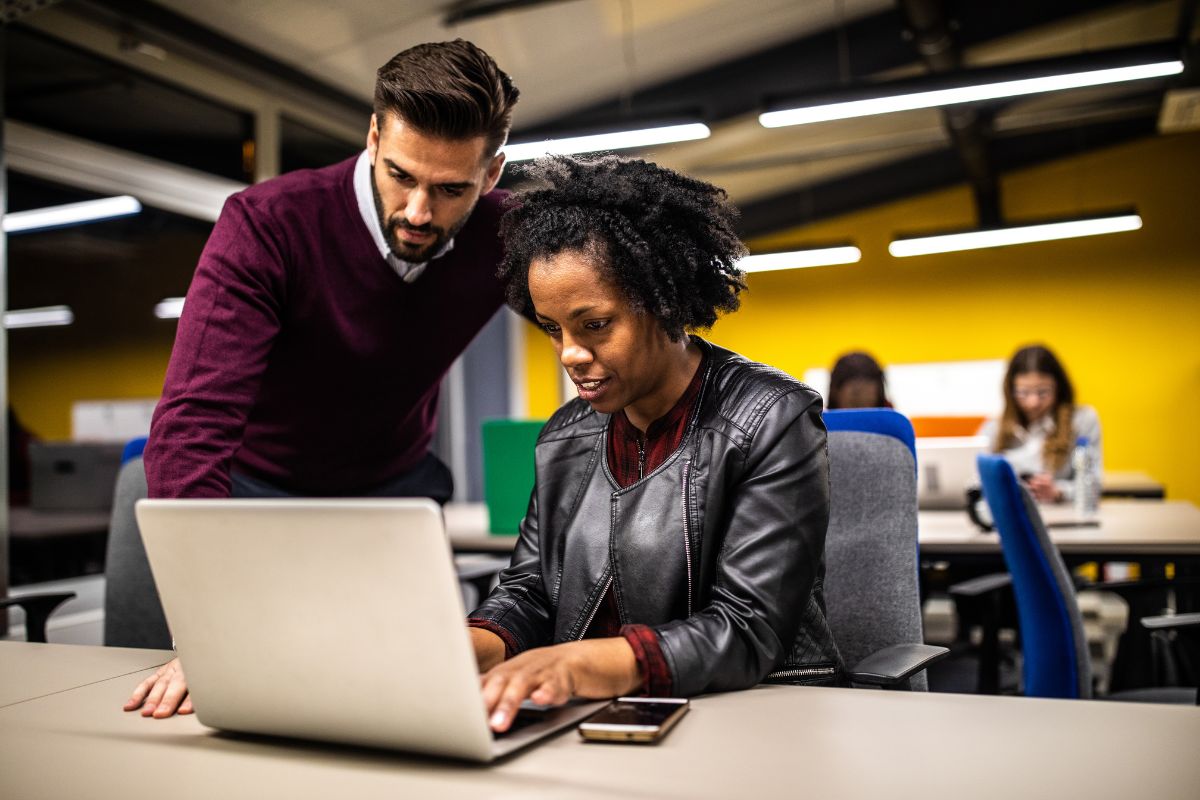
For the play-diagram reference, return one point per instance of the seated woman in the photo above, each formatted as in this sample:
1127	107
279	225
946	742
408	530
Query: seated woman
856	381
675	538
674	542
1041	424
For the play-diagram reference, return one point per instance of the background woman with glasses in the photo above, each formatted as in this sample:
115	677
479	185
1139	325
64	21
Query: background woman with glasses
1041	424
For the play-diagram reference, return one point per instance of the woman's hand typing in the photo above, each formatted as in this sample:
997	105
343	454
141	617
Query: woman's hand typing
593	668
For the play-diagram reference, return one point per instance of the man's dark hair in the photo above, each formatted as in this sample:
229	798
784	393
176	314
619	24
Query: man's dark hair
666	240
452	90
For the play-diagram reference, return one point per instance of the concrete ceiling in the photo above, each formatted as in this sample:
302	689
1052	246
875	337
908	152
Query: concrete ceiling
562	55
579	64
588	64
594	63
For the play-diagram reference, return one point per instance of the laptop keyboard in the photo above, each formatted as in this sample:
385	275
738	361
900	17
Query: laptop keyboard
525	718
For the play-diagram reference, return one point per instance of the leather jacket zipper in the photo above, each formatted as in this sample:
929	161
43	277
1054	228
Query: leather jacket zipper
687	539
595	609
641	443
803	672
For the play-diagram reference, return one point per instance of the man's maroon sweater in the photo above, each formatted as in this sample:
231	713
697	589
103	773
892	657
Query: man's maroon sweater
302	358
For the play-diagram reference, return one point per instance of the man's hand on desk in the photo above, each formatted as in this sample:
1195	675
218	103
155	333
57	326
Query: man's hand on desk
162	694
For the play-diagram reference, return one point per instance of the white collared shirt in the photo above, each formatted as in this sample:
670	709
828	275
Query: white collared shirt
408	270
1026	453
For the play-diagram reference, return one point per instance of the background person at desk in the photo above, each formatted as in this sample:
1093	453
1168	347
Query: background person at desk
328	304
1041	424
856	381
675	538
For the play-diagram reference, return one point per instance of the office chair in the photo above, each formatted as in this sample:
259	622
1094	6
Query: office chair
871	583
979	597
1056	661
37	608
133	614
134	448
883	421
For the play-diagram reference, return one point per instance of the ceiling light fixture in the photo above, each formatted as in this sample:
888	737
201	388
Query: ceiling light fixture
618	140
801	259
39	317
882	101
904	247
71	214
169	308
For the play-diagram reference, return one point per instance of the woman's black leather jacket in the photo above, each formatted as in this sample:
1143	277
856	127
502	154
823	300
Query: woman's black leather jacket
720	549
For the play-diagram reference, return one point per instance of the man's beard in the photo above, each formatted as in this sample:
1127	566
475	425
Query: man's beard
410	252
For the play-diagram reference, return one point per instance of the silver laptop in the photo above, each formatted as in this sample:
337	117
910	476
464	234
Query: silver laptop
946	470
335	620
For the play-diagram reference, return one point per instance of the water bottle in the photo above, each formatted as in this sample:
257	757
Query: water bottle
1087	487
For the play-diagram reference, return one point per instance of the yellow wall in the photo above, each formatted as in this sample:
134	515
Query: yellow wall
542	373
1122	311
42	389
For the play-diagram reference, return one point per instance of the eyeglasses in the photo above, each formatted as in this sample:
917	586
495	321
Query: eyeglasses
1040	394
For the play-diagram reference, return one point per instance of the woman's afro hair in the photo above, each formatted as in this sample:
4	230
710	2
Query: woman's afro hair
666	240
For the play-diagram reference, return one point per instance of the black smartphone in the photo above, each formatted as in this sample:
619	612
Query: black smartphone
634	719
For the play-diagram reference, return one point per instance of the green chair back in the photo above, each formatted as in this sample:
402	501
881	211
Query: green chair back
508	447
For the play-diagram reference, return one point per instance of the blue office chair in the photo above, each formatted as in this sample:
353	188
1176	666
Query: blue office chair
883	421
1056	661
133	449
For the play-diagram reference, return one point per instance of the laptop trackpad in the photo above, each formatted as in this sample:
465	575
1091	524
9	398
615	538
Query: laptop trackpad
535	722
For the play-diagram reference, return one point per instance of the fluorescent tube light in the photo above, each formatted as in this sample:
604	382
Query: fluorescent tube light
71	214
619	140
169	308
1018	234
799	259
966	94
39	317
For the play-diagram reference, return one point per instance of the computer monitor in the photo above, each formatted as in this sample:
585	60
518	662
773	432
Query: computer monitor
73	476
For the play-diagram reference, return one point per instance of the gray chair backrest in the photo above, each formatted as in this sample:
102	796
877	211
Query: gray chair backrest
871	584
133	614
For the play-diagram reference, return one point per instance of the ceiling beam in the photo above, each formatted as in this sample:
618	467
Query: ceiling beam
145	18
969	127
466	10
928	172
873	45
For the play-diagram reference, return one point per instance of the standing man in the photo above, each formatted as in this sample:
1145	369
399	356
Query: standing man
328	304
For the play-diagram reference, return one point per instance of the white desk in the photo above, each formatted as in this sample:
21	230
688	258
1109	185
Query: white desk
28	671
28	523
769	742
1127	528
467	526
1125	483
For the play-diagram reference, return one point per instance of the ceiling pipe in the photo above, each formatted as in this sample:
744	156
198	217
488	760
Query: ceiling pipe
970	129
1187	21
468	10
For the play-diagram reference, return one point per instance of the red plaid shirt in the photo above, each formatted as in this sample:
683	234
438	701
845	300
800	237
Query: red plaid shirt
631	457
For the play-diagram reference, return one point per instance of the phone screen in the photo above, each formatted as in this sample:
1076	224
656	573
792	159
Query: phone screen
627	720
626	713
